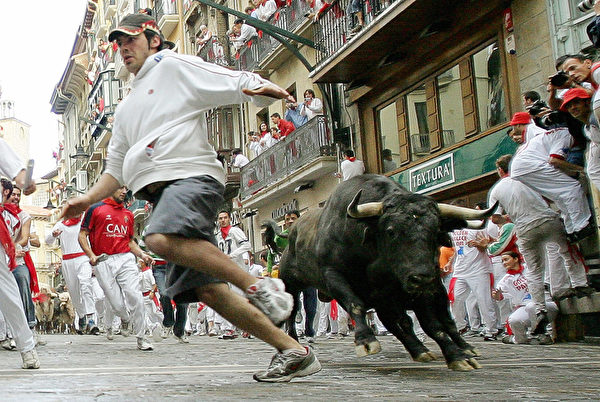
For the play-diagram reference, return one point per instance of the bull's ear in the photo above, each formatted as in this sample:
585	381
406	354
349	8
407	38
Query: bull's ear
444	239
368	236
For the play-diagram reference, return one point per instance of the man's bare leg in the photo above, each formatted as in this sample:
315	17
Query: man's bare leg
201	255
236	309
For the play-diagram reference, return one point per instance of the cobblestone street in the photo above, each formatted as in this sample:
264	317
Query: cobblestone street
92	368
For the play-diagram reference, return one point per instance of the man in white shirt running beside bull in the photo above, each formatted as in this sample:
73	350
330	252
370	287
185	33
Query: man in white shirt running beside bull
160	150
76	271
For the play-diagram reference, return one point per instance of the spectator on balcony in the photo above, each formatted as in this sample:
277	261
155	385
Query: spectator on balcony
264	129
312	106
275	134
293	114
253	144
355	7
239	160
241	33
203	37
285	127
147	11
264	9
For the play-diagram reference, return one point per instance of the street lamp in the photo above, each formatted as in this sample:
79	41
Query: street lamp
79	153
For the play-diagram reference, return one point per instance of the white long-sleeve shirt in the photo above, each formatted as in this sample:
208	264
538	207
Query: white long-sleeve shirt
314	109
234	245
10	164
160	131
69	238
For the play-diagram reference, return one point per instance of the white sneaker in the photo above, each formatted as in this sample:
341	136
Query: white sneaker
6	344
166	331
109	334
30	359
269	296
125	328
38	339
143	344
285	366
182	339
157	334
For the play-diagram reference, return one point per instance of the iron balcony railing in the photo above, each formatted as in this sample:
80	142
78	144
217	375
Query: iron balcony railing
302	146
289	17
165	7
334	27
214	51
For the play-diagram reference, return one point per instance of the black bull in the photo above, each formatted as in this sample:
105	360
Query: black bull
381	254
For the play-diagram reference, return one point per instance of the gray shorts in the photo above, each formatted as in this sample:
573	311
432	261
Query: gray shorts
188	208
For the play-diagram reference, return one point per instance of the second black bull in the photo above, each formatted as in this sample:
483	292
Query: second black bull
376	245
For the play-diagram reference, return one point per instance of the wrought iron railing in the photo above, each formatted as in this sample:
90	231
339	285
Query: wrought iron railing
302	146
165	7
334	27
214	51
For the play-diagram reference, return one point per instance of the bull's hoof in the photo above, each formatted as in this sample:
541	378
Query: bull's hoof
472	352
474	363
460	365
369	348
425	357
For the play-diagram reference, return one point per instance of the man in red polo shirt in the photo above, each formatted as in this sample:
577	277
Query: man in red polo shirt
285	127
108	226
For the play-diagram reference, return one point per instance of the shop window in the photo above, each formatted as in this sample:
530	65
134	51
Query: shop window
451	106
488	76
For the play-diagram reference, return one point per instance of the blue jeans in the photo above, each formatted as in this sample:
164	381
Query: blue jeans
310	308
21	274
177	322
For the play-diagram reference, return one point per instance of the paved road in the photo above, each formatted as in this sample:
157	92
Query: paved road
92	368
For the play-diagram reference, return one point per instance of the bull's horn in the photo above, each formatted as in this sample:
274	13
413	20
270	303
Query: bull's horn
367	210
452	211
476	225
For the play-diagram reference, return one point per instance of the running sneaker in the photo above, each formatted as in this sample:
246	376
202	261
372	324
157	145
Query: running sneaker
285	366
30	359
157	334
125	328
228	334
269	296
541	322
38	339
143	344
109	334
166	332
182	339
6	344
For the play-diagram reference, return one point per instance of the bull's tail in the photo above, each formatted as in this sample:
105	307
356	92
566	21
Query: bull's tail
271	230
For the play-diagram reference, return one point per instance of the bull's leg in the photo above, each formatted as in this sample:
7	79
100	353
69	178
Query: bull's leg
400	324
442	309
339	288
456	358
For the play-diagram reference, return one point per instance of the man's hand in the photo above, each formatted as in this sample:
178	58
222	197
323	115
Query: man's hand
19	253
20	181
94	260
270	90
74	207
149	261
56	233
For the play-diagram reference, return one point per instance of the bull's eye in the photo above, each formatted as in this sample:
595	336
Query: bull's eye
389	231
415	216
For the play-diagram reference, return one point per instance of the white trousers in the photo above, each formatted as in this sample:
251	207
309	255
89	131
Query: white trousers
480	286
503	307
12	307
154	317
565	191
78	277
520	321
118	277
593	164
336	326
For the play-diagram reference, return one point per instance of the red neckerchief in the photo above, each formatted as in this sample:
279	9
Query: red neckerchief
225	231
515	271
146	268
33	284
72	221
263	133
351	158
110	201
13	209
6	240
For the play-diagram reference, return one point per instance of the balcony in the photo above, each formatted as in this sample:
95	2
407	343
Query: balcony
264	52
110	9
137	207
306	154
166	15
214	51
397	36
